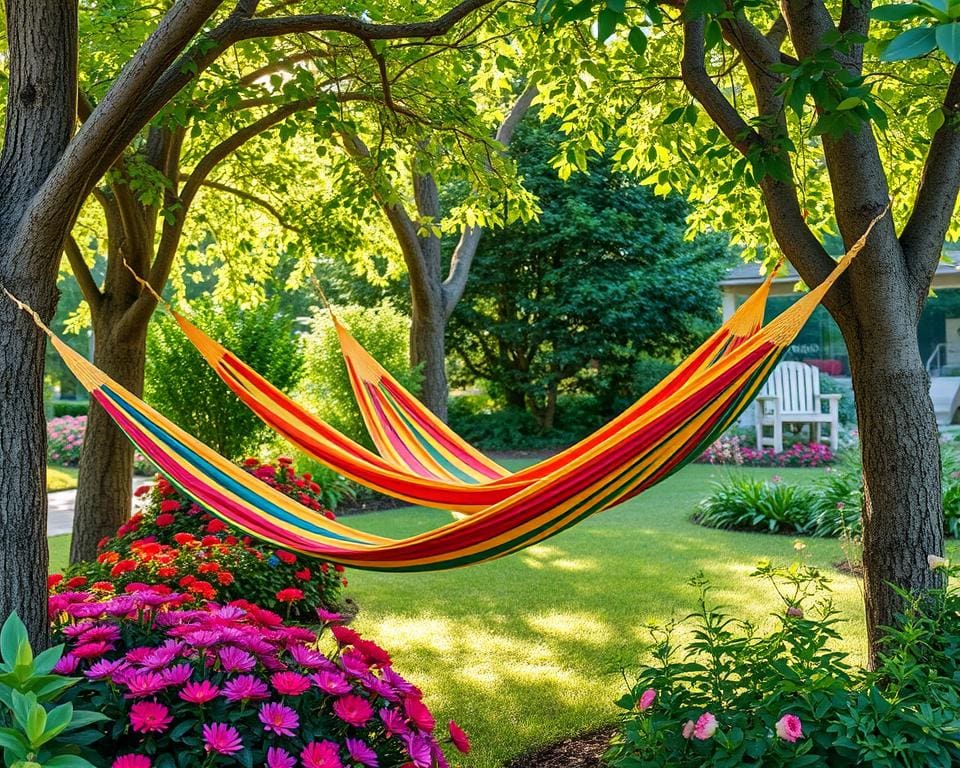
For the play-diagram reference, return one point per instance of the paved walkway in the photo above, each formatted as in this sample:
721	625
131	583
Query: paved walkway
60	508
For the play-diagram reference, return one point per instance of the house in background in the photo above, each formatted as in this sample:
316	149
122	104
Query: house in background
821	344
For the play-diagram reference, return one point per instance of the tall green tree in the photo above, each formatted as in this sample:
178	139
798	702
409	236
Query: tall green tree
47	170
600	280
786	121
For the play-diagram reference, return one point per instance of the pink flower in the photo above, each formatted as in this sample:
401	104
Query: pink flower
143	683
688	728
290	683
131	761
646	699
353	710
328	617
279	719
150	717
245	688
199	693
235	660
331	682
393	721
706	726
322	754
361	752
221	738
280	758
178	674
789	728
418	713
418	747
458	737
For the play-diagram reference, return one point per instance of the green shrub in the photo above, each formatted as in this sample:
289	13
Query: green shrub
742	502
847	408
735	695
189	392
325	388
70	408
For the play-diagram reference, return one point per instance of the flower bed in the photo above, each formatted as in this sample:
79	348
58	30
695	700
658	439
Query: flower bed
65	441
731	450
173	542
186	684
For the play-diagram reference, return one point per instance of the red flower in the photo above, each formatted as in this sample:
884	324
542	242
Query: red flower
108	557
76	582
186	581
251	462
103	586
285	461
169	505
204	589
208	567
124	566
303	575
142	490
290	595
53	579
216	526
231	541
163	487
183	538
168	572
225	578
165	519
345	635
103	542
339	568
418	713
373	653
459	738
286	557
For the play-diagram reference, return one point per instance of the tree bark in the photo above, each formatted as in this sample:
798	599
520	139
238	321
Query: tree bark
106	463
428	351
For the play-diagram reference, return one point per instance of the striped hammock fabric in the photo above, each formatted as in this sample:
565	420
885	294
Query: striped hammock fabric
677	423
422	460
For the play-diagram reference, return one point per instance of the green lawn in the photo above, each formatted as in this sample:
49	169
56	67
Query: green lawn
61	478
532	648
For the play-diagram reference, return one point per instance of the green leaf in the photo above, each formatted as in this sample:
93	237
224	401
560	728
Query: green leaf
13	633
898	12
84	717
637	40
47	660
948	40
849	103
935	119
36	724
11	739
911	44
67	761
607	21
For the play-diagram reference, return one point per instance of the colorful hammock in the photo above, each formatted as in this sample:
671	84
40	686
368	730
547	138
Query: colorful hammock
422	460
676	426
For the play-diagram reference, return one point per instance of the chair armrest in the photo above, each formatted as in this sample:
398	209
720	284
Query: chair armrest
833	402
762	400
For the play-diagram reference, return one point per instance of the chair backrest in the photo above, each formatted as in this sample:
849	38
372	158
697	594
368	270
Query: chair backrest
796	384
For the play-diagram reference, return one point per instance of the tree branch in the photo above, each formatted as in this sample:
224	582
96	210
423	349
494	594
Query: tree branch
922	237
258	201
81	273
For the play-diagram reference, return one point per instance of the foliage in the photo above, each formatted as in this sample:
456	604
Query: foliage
188	391
325	389
743	502
591	296
734	695
334	489
729	449
36	731
172	542
70	407
65	441
847	407
234	685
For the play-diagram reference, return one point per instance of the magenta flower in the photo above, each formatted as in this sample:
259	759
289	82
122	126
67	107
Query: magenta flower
236	660
789	728
331	682
67	665
150	717
104	668
279	719
245	688
131	761
328	617
307	657
418	747
353	662
361	752
280	758
418	713
199	693
221	738
143	683
178	674
646	699
290	683
322	754
705	727
393	721
353	710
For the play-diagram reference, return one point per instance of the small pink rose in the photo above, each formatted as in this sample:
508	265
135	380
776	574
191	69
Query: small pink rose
688	729
795	612
706	726
789	728
646	699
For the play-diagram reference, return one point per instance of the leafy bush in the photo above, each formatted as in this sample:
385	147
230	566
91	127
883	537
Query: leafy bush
188	391
65	441
173	542
734	695
847	408
742	502
235	685
35	730
325	389
70	407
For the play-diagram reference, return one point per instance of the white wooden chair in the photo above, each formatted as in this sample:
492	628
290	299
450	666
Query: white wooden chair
792	396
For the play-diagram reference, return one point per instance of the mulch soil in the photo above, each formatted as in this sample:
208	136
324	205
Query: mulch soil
579	752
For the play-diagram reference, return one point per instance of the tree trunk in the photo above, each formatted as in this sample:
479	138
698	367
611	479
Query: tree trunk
903	505
428	350
106	463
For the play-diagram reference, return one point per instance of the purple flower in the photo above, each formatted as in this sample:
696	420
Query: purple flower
393	721
235	660
245	688
279	719
361	752
331	682
280	758
177	675
418	747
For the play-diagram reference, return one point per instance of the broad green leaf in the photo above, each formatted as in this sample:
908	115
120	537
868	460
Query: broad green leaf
849	103
84	717
607	21
637	40
47	660
11	739
58	719
898	12
911	44
36	724
948	40
935	119
13	633
67	761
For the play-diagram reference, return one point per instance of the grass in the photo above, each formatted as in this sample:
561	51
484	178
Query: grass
533	648
61	478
